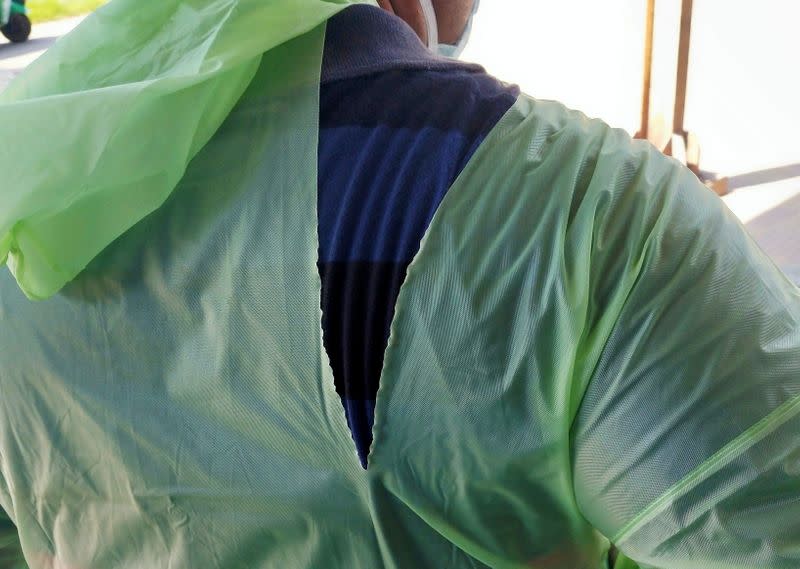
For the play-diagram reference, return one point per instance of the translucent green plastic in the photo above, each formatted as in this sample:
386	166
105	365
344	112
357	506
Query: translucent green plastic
588	347
85	164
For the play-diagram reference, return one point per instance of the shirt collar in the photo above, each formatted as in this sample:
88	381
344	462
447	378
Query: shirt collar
364	39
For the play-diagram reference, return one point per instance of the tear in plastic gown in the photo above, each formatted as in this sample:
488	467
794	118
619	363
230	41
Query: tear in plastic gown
588	348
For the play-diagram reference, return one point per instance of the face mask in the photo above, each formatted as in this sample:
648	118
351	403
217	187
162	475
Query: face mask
445	49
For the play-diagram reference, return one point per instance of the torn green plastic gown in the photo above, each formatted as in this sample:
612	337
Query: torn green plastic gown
587	346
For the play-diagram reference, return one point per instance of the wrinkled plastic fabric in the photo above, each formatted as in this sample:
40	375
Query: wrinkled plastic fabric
91	105
635	355
587	348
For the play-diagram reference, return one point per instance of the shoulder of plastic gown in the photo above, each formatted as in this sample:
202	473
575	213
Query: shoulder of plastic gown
105	123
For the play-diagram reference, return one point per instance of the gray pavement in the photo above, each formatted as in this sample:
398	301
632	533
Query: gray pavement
771	213
15	57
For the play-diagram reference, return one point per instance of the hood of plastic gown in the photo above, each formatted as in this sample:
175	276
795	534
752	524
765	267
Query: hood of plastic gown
105	123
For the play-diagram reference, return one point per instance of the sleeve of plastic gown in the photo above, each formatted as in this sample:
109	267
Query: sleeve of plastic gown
686	444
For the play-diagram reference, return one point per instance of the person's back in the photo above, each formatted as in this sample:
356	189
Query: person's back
547	384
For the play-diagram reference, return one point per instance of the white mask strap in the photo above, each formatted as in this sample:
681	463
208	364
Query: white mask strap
430	21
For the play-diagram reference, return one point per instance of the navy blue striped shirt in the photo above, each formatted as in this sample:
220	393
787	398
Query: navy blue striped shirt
397	126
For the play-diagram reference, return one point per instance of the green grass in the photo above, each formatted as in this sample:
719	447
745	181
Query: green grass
45	10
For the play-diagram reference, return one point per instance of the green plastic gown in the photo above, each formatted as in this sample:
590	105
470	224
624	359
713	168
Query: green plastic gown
588	348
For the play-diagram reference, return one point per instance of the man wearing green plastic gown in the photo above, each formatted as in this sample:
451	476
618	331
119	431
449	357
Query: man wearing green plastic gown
289	289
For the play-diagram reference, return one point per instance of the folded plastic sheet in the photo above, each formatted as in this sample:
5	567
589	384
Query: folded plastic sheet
82	120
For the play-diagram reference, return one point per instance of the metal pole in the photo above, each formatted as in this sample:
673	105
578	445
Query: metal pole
683	68
648	69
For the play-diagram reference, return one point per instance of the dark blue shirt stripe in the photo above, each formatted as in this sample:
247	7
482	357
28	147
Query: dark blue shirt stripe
397	127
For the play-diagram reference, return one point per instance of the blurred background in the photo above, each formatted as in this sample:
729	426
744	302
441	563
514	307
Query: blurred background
743	88
45	10
739	100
